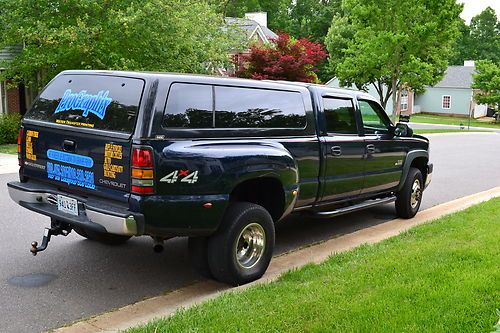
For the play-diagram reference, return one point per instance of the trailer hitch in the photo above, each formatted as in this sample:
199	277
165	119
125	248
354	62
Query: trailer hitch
56	228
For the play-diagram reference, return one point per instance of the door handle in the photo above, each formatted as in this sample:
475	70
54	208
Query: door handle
336	150
370	149
69	145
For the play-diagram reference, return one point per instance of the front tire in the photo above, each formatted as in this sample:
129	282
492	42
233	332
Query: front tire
102	237
408	200
240	251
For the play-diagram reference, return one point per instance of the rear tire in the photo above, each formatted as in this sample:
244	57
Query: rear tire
198	256
408	200
102	237
240	251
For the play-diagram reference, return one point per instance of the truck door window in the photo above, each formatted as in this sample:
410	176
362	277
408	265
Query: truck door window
339	116
189	106
375	120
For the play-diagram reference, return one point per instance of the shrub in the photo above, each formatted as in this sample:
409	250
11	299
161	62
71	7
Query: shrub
9	127
284	58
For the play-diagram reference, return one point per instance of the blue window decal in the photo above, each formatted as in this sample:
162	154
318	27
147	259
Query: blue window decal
96	104
75	159
71	176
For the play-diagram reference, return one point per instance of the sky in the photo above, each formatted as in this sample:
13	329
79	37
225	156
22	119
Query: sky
474	7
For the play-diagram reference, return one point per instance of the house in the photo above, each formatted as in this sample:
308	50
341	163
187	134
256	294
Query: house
253	30
453	95
12	99
254	25
406	100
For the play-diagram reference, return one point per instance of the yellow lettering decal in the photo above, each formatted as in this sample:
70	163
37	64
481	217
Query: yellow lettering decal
112	151
74	123
30	135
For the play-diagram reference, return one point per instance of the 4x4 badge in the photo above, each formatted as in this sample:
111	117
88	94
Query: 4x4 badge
183	175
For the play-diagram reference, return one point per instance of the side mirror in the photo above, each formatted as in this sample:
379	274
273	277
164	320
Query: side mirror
404	118
403	130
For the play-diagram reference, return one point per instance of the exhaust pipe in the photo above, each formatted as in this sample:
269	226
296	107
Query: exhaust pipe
157	245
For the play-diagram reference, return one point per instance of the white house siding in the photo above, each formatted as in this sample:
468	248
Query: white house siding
431	101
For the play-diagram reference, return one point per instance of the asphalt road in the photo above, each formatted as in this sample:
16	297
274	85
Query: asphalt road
76	278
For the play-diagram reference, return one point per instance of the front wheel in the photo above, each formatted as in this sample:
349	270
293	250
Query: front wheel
240	251
408	200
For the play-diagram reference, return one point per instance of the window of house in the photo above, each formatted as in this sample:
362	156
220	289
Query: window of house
446	102
339	116
237	107
404	100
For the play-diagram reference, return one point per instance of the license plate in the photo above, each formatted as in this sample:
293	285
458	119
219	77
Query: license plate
67	205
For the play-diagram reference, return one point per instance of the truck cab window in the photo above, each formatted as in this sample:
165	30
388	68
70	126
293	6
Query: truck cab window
375	120
339	116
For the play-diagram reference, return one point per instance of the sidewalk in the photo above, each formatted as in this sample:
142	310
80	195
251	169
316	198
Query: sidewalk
8	163
443	126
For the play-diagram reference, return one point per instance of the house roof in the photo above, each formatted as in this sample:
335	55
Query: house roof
251	27
8	52
457	77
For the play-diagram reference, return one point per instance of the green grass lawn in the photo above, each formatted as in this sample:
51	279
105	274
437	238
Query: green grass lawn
8	149
447	120
431	131
440	277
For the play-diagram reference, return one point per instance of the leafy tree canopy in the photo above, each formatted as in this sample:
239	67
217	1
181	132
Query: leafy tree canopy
487	80
153	35
284	59
299	18
480	40
398	43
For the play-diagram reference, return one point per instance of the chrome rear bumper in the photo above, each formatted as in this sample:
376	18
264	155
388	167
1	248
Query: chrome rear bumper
111	219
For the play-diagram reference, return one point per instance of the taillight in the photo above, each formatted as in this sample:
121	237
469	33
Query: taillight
142	173
19	140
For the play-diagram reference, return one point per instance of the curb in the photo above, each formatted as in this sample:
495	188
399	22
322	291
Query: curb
165	305
458	133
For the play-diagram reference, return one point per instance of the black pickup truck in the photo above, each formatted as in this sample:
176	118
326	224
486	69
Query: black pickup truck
112	155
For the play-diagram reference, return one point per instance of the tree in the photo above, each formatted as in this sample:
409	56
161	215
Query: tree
462	50
299	18
397	43
487	80
153	35
284	59
480	40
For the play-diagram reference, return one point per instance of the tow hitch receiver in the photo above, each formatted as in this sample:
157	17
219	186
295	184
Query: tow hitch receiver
56	228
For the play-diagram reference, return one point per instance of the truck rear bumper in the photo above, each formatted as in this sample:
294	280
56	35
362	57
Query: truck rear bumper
100	216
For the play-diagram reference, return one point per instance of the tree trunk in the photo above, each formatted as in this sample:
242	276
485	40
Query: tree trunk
394	116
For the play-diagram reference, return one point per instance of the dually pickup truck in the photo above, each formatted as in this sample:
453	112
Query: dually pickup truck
112	155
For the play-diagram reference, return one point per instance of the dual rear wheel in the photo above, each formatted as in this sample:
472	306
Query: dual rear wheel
240	251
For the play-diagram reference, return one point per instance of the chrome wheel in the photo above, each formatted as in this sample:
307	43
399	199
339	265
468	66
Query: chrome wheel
250	246
416	193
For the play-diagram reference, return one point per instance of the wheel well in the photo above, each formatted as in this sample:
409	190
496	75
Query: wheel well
421	164
266	192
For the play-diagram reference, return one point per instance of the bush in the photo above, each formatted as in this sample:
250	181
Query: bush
9	127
